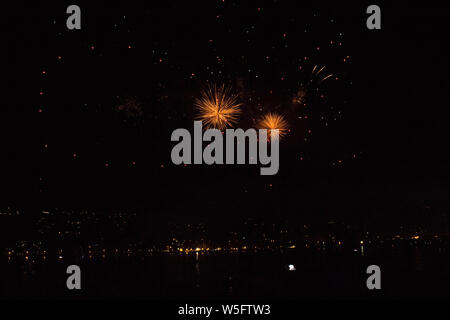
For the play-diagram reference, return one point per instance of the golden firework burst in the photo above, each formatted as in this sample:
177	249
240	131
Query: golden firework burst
218	107
272	121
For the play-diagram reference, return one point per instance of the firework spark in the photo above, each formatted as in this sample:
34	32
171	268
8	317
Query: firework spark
315	79
300	96
131	109
218	107
315	74
272	121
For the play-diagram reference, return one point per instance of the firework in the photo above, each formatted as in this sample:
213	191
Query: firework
218	107
317	74
300	96
131	109
316	78
272	121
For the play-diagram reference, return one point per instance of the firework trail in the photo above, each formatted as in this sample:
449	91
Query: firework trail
315	74
316	78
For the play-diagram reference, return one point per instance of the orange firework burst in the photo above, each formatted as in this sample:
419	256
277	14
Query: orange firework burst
272	121
218	107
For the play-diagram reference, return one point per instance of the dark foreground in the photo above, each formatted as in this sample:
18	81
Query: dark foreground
406	273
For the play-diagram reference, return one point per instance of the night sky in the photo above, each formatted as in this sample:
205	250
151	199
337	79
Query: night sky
89	113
